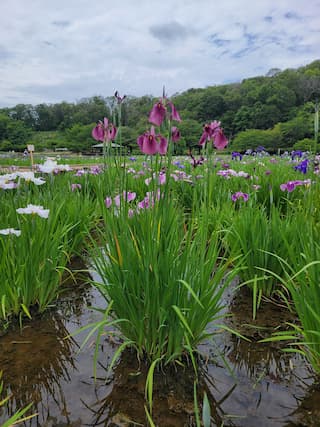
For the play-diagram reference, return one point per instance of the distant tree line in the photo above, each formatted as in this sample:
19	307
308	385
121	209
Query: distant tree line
275	111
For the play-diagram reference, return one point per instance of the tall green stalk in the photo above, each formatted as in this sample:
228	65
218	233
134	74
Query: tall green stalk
316	126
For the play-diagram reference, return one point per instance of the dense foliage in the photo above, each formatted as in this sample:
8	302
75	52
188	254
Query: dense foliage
275	111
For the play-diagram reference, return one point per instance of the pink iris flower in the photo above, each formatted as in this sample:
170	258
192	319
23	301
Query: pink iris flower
159	111
163	144
117	200
108	202
162	178
129	196
220	141
175	134
144	204
104	131
95	170
214	132
152	143
75	187
119	98
174	113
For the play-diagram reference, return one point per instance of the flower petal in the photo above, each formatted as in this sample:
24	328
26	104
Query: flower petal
174	113
97	133
157	114
220	140
163	146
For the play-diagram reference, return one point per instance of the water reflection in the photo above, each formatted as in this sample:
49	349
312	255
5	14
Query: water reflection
41	366
35	362
267	388
265	384
308	411
173	397
256	359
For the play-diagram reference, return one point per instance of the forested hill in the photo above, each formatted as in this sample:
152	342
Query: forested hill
276	111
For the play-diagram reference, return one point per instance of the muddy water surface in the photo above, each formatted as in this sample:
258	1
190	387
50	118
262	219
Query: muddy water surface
248	384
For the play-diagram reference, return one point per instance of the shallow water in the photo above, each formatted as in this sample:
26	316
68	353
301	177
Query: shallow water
266	388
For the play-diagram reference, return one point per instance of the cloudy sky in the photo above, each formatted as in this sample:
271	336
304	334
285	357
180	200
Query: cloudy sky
55	50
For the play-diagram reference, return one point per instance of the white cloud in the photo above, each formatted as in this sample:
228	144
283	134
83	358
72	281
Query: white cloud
65	50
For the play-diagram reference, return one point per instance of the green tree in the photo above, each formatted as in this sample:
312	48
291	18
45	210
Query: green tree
296	129
18	134
45	117
191	131
26	113
249	90
189	100
127	136
232	97
14	134
4	122
79	138
306	144
137	109
211	106
91	110
243	119
254	138
264	116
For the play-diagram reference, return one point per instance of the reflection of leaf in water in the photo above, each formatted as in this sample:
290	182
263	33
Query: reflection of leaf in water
34	362
308	411
38	361
173	396
257	360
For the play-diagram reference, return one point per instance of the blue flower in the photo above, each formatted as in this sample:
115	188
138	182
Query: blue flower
302	166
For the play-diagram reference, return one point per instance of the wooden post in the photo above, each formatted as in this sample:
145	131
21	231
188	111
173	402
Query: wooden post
30	148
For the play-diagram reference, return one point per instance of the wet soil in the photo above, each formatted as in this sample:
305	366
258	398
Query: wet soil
248	384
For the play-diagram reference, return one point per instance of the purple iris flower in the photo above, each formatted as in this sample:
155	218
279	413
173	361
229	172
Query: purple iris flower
296	154
239	195
291	185
302	166
235	155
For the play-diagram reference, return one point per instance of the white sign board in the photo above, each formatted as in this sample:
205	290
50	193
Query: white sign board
30	148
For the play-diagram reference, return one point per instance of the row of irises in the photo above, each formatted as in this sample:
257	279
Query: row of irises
172	234
253	188
253	216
